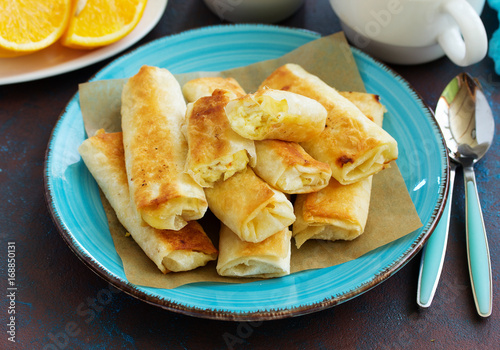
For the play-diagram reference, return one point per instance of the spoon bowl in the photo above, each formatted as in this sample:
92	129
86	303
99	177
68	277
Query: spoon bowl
465	119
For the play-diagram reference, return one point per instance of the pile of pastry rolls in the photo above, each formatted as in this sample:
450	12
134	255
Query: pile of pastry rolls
295	154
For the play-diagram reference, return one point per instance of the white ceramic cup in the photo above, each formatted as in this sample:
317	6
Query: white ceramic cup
415	31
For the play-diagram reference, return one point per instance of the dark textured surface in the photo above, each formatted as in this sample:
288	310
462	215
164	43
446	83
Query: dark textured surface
61	304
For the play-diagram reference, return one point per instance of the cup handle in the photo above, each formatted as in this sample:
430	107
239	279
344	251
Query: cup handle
473	47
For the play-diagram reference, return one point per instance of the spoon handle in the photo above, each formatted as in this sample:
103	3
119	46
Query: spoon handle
477	247
434	251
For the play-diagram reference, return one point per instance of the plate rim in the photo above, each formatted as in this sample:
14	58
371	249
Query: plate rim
259	315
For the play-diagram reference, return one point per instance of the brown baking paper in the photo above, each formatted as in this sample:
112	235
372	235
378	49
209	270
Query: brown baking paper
392	214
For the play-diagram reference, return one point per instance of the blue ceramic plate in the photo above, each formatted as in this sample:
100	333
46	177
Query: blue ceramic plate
74	201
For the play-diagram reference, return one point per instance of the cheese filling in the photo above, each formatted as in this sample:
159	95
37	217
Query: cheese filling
256	116
224	168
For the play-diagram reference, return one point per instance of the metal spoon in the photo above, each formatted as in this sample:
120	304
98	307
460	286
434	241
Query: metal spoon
467	124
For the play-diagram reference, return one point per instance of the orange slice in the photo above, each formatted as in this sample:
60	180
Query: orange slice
27	26
102	22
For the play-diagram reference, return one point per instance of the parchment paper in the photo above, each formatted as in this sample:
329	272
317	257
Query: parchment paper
392	214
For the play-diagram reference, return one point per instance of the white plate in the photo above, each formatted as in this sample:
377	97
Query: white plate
57	59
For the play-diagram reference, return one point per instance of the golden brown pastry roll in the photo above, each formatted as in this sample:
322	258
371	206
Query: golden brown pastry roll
368	104
266	259
249	206
351	144
181	250
196	88
275	114
153	110
336	212
287	167
215	151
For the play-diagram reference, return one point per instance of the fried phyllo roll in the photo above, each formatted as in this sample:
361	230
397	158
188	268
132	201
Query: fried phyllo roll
353	146
181	250
266	259
196	88
153	111
215	151
367	103
287	167
338	212
251	208
275	114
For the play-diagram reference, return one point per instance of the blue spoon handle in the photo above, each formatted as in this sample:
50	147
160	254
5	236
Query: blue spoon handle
477	247
434	251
